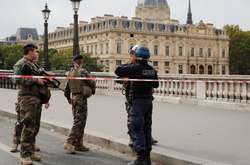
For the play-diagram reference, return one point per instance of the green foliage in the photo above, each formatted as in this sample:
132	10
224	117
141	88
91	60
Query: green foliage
62	60
10	55
239	50
59	60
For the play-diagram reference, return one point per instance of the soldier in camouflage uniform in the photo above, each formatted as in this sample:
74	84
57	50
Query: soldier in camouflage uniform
30	103
77	92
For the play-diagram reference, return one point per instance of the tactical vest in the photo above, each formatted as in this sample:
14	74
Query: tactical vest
75	85
79	86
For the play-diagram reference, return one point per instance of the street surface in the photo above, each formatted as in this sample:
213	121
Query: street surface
214	134
52	153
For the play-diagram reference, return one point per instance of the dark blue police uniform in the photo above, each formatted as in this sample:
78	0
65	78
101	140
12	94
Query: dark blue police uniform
141	111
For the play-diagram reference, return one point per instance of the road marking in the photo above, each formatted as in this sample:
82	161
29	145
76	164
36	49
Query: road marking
6	148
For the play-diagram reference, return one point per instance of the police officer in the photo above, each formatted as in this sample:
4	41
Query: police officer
77	92
142	98
128	101
30	99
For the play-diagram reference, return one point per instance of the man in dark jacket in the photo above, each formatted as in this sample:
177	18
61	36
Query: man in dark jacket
142	97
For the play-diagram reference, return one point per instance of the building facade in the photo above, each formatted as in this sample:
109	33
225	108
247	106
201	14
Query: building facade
176	48
23	36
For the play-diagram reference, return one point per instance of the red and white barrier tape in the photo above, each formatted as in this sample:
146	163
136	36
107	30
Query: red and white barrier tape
117	79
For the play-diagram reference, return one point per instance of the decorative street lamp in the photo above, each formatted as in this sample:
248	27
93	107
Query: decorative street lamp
76	47
45	60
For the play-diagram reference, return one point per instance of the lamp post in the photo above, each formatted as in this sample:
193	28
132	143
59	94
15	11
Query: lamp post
45	60
76	47
1	61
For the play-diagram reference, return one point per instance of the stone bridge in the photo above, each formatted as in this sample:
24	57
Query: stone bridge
197	120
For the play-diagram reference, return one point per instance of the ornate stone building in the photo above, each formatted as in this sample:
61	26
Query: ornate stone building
23	36
176	48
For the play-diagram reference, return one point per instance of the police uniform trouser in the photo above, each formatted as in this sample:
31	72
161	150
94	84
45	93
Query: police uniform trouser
80	112
141	123
128	106
30	116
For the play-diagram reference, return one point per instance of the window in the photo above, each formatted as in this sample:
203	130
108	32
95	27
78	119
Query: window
223	69
210	69
91	49
95	49
192	52
167	50
87	49
167	71
107	48
180	69
209	52
155	63
101	49
118	62
119	48
125	24
138	25
167	63
180	51
193	69
155	50
223	53
201	52
150	26
131	35
201	69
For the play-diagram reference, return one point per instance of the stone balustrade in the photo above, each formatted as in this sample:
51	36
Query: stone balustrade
235	89
214	88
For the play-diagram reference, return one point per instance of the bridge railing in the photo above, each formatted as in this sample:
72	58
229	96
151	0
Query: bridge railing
203	87
198	87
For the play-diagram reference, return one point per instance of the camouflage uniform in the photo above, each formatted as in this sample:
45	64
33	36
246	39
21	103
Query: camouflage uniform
29	106
18	127
80	90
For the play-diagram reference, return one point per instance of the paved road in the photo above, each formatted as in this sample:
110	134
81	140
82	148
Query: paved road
51	150
214	134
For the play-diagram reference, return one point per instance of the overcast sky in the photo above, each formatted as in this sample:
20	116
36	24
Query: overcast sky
27	13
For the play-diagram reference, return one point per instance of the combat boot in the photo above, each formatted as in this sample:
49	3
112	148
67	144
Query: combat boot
35	157
14	148
141	159
69	148
26	161
81	148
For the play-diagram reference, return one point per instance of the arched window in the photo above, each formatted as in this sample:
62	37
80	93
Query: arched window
119	46
125	24
162	27
138	25
201	69
210	69
193	69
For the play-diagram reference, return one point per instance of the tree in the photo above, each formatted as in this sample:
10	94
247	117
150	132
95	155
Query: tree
239	50
62	60
10	55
